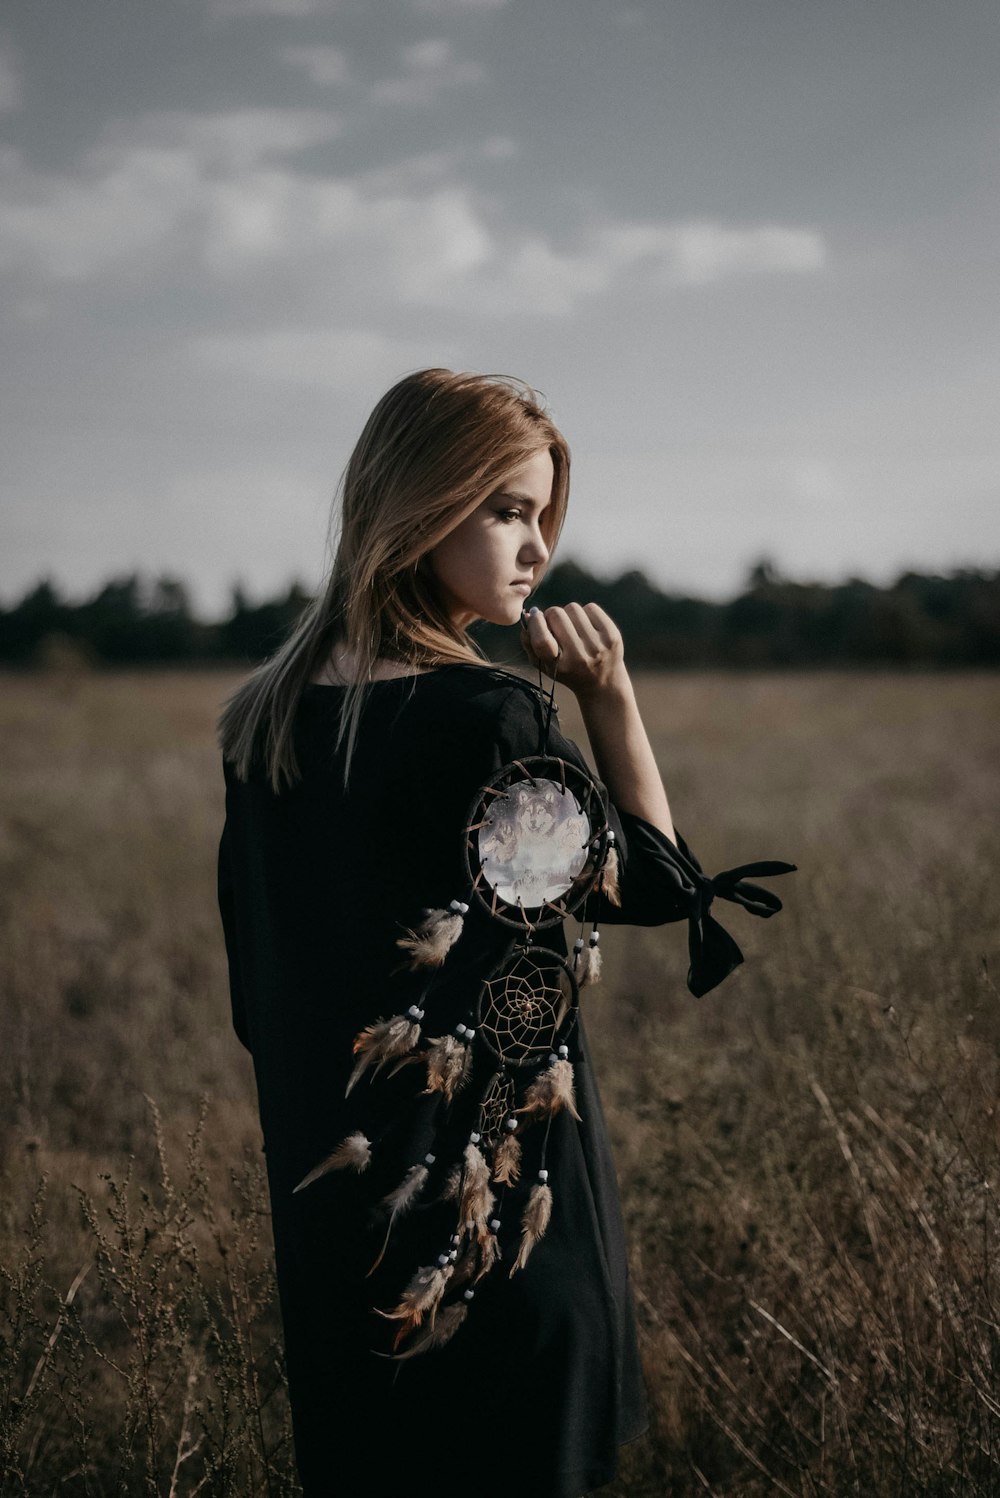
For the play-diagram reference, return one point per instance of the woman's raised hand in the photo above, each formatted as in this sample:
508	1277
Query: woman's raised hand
579	643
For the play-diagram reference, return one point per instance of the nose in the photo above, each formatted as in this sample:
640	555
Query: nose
534	551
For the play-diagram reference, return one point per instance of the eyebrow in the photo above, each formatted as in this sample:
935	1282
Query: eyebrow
522	499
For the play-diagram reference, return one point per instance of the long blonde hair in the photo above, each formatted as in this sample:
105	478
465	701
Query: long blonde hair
435	445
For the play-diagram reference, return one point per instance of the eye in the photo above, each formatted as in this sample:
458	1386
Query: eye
509	514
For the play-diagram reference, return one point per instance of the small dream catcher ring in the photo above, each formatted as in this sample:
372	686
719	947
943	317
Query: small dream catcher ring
535	842
527	1007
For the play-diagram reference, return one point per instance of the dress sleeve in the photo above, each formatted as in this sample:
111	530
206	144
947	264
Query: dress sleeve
228	913
659	881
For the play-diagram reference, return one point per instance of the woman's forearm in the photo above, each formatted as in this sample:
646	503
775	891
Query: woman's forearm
623	754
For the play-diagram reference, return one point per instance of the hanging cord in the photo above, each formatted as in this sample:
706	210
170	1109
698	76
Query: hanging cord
551	693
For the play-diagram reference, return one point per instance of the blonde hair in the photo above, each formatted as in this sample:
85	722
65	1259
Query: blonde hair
435	445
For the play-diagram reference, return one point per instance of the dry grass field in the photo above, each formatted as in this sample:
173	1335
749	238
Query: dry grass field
808	1156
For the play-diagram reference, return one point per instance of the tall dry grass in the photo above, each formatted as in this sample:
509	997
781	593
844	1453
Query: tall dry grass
808	1157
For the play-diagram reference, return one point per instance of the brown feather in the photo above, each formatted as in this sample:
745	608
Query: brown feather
440	1331
551	1091
398	1203
477	1199
421	1296
430	942
449	1062
609	878
489	1253
507	1161
381	1043
533	1224
352	1153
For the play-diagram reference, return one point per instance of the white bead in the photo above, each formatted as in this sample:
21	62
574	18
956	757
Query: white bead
429	1159
474	1138
578	944
563	1052
469	1033
543	1176
442	1261
459	1029
595	937
611	838
453	1254
494	1224
468	1294
414	1013
553	1058
511	1124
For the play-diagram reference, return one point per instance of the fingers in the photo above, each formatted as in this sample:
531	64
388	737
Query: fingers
577	633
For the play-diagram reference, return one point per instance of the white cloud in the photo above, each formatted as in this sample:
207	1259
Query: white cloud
150	189
326	66
219	192
430	68
326	358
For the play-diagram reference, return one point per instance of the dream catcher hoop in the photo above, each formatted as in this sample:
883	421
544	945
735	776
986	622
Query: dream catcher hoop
527	1007
535	840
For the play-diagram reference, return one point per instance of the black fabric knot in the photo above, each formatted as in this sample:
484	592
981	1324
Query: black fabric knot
713	952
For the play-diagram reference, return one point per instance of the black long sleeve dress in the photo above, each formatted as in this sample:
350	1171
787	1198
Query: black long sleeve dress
535	1393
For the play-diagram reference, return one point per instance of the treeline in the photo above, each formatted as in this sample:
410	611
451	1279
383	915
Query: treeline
919	620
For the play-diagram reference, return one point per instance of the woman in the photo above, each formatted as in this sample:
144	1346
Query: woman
351	760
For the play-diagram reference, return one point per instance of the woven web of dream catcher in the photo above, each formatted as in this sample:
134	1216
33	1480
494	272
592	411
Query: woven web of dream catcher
496	1107
523	1008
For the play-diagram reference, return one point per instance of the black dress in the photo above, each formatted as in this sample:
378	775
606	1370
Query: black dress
537	1390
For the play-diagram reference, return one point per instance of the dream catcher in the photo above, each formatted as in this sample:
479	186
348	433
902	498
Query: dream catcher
536	847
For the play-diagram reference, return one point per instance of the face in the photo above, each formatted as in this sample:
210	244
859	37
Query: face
486	567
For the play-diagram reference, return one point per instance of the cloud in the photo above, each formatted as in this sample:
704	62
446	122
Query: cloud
336	359
223	193
430	68
325	66
530	274
150	188
697	251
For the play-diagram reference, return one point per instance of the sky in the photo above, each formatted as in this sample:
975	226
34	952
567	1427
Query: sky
747	249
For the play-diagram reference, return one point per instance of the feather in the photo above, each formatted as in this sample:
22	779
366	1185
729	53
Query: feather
551	1090
608	881
466	1266
382	1042
398	1203
440	1331
489	1253
449	1062
534	1222
590	971
421	1298
477	1199
430	942
353	1153
507	1161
